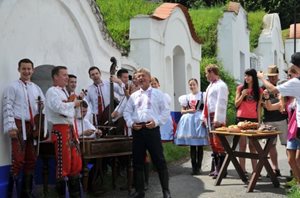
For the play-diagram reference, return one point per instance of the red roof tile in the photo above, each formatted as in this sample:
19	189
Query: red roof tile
233	7
297	31
165	10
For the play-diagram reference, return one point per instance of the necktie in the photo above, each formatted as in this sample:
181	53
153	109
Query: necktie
29	108
100	100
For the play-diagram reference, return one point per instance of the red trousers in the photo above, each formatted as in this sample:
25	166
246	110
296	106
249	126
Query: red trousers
23	152
214	141
67	150
215	144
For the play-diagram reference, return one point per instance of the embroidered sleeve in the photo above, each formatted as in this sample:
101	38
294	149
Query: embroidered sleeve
164	111
183	100
55	103
8	110
221	105
119	89
128	112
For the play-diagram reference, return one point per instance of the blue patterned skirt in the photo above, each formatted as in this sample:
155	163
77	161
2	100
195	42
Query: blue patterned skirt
166	131
190	130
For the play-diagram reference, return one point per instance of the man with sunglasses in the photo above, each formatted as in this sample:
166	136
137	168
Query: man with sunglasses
288	88
275	118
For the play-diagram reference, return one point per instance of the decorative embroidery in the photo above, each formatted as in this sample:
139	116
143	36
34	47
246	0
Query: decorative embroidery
141	99
59	153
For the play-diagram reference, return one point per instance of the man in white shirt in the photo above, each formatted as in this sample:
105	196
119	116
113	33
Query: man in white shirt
60	113
19	109
84	127
289	88
98	94
123	75
215	107
145	111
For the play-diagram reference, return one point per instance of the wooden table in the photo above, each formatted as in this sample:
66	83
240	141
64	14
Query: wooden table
110	146
262	156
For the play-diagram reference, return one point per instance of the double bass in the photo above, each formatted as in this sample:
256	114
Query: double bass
107	125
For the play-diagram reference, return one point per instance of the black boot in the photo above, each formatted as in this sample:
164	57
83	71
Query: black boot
213	164
139	184
193	159
146	174
199	159
27	186
164	182
61	188
74	187
10	186
222	158
216	165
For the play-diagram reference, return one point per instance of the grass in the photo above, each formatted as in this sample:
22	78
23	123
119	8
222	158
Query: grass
285	34
255	24
173	152
205	21
294	192
117	15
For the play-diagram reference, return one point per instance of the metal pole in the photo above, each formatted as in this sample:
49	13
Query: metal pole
295	24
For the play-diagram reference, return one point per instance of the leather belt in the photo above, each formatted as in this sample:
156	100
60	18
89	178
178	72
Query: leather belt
143	124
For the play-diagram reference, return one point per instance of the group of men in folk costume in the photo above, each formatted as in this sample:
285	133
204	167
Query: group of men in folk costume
62	115
64	121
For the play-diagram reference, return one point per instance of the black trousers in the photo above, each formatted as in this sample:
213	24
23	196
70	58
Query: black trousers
148	139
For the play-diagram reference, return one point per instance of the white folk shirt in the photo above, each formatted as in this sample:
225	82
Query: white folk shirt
104	87
144	106
83	125
58	111
185	100
217	98
15	104
291	88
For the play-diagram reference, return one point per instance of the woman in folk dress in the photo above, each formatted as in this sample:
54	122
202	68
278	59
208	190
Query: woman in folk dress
190	129
166	130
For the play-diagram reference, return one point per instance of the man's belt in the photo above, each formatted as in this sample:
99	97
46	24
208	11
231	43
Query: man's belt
143	124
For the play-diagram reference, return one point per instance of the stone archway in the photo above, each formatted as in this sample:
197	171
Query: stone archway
179	75
42	77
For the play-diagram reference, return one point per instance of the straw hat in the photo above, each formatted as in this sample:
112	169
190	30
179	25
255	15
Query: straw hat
273	70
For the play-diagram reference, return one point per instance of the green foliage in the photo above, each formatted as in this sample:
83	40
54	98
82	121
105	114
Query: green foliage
117	15
228	79
205	21
173	152
285	8
285	34
294	192
198	3
255	22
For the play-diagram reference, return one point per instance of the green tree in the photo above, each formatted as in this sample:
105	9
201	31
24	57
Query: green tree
285	9
198	3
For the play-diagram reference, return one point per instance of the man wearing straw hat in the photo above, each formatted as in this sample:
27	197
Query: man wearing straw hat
275	118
